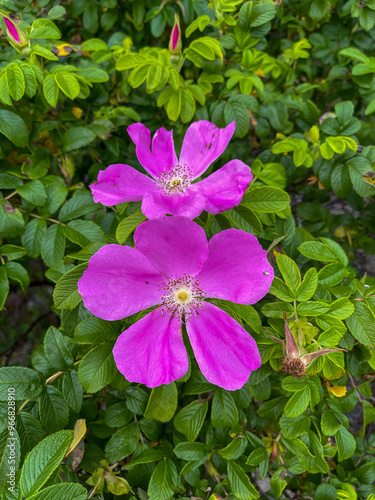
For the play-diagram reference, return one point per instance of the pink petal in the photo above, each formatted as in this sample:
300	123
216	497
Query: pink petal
119	183
12	30
225	352
224	188
119	281
203	144
174	245
162	157
237	268
175	36
189	204
152	351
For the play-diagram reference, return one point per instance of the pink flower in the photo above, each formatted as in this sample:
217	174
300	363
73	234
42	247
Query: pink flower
173	267
171	189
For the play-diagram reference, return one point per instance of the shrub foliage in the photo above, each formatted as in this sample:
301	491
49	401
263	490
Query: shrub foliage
297	77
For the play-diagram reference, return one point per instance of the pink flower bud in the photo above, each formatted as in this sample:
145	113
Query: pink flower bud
175	43
16	36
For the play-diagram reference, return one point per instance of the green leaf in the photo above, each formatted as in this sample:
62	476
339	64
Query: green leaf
18	273
289	271
97	368
76	138
26	382
72	390
122	443
44	52
4	287
362	324
317	251
281	290
33	236
14	128
266	199
33	192
298	403
51	90
240	482
53	245
118	415
43	460
67	491
68	83
11	220
234	449
329	423
162	403
163	481
308	286
81	204
53	410
83	232
190	419
29	430
128	225
191	451
57	349
346	444
15	81
65	294
136	400
224	412
44	28
294	427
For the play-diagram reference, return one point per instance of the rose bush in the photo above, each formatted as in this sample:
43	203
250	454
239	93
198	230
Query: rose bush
206	330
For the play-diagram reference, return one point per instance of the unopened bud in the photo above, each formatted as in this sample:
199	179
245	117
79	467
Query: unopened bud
16	36
175	44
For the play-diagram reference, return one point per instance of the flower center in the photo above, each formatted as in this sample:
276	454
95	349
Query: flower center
175	180
182	297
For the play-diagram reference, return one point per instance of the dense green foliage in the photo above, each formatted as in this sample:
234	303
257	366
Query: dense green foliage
297	76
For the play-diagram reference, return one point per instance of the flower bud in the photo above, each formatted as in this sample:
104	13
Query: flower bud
16	36
175	43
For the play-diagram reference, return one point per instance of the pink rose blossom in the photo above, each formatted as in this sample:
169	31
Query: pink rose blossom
174	267
170	189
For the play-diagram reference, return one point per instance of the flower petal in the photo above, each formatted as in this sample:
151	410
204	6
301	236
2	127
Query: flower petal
162	157
224	188
225	352
119	281
119	183
237	268
152	351
203	144
12	30
174	245
189	204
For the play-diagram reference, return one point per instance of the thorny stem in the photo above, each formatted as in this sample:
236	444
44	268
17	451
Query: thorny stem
300	333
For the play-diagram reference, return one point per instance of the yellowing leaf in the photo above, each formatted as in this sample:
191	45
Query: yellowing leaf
77	112
337	390
64	49
79	432
260	73
275	252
